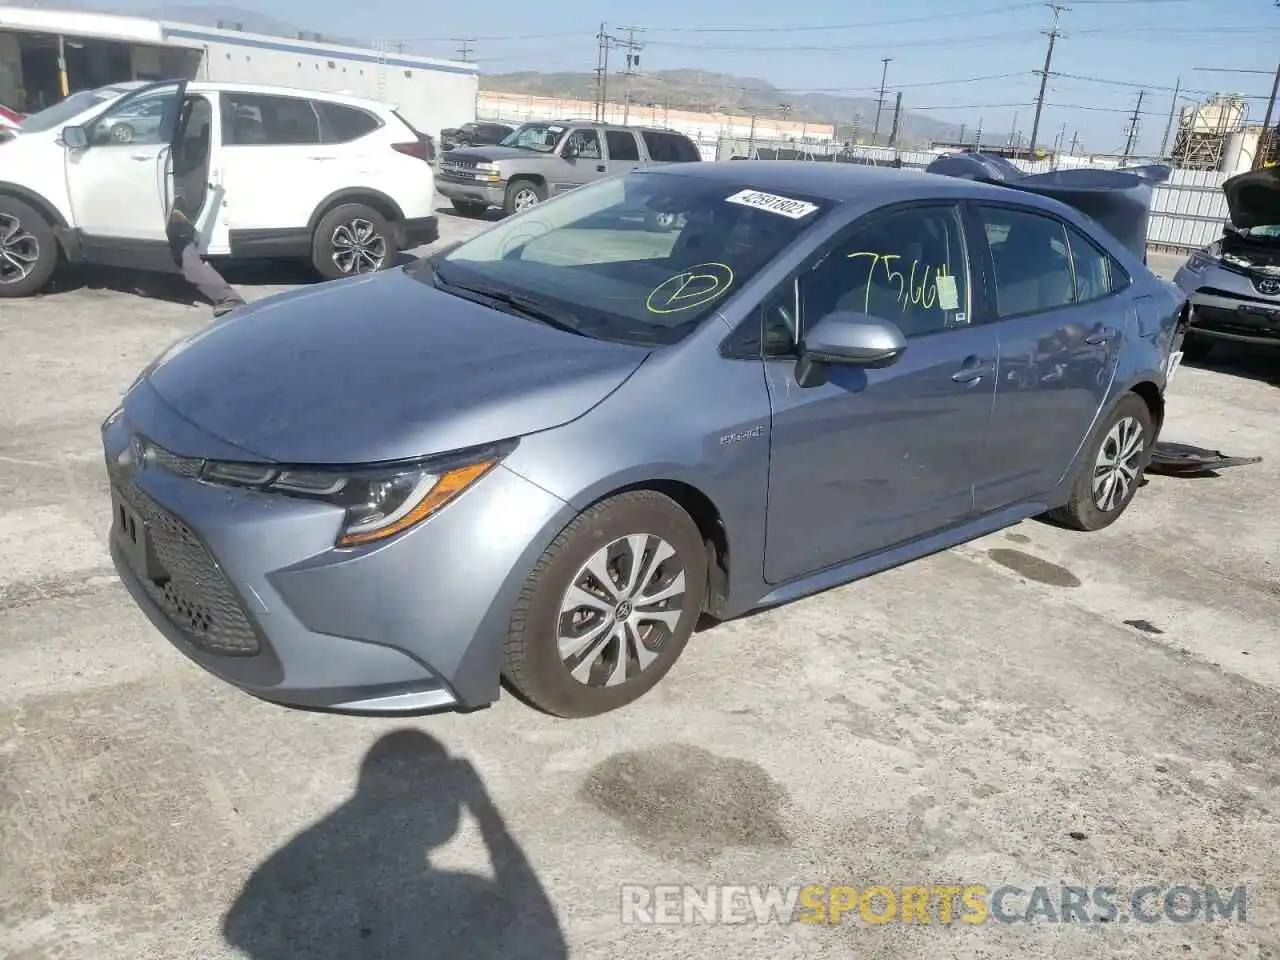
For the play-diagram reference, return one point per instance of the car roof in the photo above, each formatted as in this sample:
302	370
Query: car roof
586	122
848	181
213	86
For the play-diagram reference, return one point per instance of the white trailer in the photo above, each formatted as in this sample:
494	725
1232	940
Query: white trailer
45	54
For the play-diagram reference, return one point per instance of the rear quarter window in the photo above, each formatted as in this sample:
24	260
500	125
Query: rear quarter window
342	124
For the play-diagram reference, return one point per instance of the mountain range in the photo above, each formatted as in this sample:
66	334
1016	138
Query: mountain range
678	89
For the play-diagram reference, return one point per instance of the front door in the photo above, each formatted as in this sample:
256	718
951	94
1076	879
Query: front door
1063	315
587	164
874	458
119	185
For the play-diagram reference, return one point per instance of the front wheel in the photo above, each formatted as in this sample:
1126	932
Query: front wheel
609	607
351	240
1111	468
28	249
523	195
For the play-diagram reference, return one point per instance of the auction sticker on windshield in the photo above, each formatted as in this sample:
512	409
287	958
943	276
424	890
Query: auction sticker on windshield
786	206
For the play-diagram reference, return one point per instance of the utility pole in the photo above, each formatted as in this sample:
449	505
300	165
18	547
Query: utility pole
977	137
604	41
880	102
1168	127
1044	74
1075	142
1013	130
897	116
1133	126
464	51
633	61
961	138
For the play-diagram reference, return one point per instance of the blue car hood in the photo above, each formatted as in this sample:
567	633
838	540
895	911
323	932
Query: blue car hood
379	368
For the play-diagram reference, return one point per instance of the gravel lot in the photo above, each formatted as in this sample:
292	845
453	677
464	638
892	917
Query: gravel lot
986	716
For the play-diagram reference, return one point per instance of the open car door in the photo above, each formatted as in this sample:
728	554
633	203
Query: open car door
119	176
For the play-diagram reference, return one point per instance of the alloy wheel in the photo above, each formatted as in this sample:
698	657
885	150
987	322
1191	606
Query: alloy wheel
19	250
621	607
525	198
358	247
1115	472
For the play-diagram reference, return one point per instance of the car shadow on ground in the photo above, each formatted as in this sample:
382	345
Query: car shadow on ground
172	288
492	215
360	883
1243	360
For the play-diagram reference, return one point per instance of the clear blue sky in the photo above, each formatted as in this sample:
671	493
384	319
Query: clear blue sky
837	46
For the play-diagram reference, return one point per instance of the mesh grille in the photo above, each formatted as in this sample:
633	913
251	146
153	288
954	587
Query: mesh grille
190	587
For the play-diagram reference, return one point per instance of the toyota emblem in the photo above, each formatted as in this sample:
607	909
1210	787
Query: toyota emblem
1269	286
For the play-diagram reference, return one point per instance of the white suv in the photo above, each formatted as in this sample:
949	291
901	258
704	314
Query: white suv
260	171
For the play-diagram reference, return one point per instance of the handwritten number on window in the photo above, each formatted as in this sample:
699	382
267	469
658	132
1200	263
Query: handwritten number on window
925	294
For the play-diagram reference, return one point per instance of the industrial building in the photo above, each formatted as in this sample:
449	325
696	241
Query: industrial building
47	54
1217	135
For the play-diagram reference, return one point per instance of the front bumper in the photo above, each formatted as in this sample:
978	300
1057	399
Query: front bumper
1226	306
249	586
468	191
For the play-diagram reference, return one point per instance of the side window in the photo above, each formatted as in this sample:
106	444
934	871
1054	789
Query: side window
622	145
908	266
253	120
147	120
656	144
588	144
342	124
1093	267
1033	267
686	151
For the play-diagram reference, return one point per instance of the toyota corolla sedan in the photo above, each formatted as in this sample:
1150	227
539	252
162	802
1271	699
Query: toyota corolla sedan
543	454
1234	284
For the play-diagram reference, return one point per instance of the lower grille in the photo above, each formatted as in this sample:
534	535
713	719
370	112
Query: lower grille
191	589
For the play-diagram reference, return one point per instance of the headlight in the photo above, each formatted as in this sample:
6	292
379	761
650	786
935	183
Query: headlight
380	502
486	167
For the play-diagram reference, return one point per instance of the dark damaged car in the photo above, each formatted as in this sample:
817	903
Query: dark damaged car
1233	285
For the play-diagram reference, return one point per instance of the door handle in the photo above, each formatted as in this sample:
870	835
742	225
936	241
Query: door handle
1101	335
142	157
601	168
972	371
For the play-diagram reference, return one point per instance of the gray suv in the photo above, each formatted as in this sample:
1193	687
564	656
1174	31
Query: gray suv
544	159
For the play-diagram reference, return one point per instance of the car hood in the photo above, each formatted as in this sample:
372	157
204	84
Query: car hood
381	368
495	153
1253	198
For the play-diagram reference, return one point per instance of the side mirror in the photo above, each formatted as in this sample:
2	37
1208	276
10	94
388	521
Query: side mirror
74	138
569	151
854	338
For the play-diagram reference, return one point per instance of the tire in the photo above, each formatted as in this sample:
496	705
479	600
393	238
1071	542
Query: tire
350	240
1083	511
1195	347
28	249
121	133
521	195
533	662
469	208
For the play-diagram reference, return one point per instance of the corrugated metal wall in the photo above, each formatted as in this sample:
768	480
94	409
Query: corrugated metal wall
1187	212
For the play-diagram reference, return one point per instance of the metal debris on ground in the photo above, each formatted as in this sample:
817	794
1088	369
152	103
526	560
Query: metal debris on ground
1184	460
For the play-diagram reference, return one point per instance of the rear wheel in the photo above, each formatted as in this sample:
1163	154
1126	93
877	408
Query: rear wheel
28	249
350	240
1111	468
609	608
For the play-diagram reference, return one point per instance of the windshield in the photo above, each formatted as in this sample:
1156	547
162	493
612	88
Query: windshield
641	258
1268	232
66	110
542	137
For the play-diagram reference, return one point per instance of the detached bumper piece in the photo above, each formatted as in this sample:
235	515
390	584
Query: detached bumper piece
1184	460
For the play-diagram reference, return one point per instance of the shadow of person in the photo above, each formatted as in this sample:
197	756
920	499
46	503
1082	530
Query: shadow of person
360	884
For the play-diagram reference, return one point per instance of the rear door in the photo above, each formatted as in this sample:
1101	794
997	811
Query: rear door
1061	314
119	186
624	151
275	171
